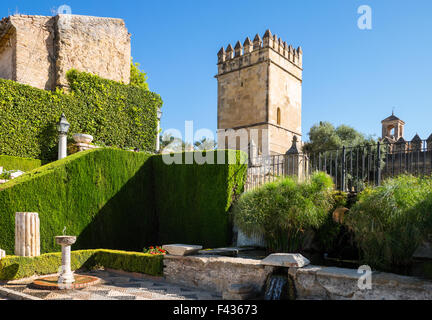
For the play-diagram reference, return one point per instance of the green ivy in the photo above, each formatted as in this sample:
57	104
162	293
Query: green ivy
115	114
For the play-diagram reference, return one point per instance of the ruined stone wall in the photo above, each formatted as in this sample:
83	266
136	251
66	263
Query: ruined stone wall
7	56
35	53
97	45
45	48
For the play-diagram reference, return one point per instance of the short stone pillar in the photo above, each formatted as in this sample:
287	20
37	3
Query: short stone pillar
296	162
27	237
66	276
2	254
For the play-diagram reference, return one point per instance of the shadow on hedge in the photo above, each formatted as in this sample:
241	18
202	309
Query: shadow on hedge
127	221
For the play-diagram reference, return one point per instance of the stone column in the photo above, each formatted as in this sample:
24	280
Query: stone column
27	238
157	138
62	147
2	254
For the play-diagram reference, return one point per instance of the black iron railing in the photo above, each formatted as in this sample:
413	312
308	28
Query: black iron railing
352	168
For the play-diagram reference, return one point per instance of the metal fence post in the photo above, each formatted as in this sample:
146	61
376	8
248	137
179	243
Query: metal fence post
343	169
378	165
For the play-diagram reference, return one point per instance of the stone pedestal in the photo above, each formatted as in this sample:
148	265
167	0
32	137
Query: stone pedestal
66	276
62	147
27	238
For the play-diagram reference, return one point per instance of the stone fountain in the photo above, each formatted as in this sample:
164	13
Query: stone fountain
65	280
66	276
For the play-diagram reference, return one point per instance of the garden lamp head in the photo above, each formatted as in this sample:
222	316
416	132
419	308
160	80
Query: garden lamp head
63	125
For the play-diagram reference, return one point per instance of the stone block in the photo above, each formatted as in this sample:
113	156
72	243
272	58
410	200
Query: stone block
239	292
292	260
181	249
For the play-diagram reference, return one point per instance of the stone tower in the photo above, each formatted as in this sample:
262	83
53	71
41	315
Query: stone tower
40	50
259	87
392	128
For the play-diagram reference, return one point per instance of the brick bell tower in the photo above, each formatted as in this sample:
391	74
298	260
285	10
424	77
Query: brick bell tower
260	87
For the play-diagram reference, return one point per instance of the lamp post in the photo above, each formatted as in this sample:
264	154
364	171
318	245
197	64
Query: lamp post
62	127
159	116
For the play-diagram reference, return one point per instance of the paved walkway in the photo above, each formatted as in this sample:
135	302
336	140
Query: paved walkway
115	286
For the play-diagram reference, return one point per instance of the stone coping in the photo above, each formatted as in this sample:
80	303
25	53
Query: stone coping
212	258
316	282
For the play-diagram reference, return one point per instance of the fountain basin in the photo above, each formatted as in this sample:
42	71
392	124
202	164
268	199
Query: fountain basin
53	283
65	240
82	138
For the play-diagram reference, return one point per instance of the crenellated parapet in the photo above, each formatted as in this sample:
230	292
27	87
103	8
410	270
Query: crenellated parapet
269	47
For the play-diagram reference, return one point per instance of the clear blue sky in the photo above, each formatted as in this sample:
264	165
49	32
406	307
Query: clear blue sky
351	76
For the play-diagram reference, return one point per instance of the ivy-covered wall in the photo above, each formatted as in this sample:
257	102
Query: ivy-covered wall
117	199
115	114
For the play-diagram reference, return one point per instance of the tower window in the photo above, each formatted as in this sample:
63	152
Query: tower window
278	116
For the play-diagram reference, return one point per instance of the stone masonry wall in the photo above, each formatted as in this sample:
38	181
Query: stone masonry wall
311	282
35	52
257	79
215	273
7	56
97	45
45	48
330	283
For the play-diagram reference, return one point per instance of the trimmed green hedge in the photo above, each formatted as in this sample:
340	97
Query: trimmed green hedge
124	200
193	200
13	267
102	195
115	114
17	163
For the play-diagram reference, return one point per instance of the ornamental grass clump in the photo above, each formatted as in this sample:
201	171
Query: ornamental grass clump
391	221
285	211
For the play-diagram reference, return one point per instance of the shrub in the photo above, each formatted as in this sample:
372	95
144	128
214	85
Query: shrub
124	200
193	200
13	267
327	234
391	221
285	210
115	114
104	196
16	163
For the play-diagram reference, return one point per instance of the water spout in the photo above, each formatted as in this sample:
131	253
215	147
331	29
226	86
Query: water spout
277	288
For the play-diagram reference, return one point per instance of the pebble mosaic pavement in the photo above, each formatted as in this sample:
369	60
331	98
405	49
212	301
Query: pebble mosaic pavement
118	287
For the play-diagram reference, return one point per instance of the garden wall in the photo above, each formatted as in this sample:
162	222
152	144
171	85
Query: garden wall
125	200
310	282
